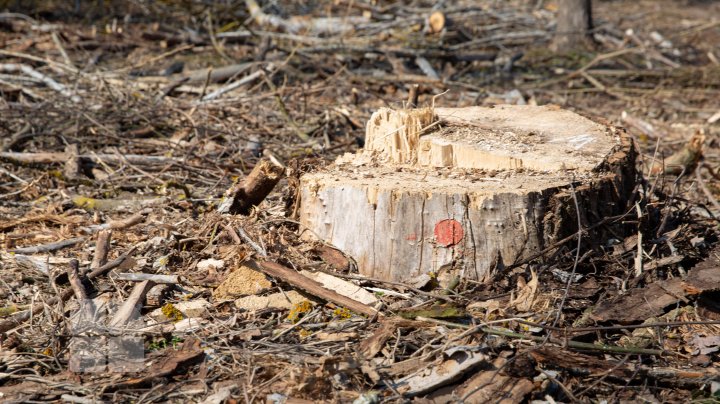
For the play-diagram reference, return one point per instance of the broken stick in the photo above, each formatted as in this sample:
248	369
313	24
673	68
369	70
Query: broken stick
241	197
102	247
120	223
684	160
73	165
131	307
76	283
76	280
156	278
58	245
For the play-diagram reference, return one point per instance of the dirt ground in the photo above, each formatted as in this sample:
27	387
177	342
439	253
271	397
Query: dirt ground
115	136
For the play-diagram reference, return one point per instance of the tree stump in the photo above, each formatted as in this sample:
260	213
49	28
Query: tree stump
467	190
574	25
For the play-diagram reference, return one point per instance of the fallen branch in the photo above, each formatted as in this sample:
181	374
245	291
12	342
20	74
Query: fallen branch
78	287
132	305
76	280
102	246
255	246
120	223
652	300
58	245
316	289
570	344
582	330
51	63
397	284
29	71
586	364
45	158
234	85
215	74
140	277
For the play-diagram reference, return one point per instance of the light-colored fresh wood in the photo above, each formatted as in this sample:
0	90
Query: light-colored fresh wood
394	135
316	288
466	190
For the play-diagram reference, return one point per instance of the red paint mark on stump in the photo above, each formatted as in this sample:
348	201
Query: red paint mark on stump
411	237
448	232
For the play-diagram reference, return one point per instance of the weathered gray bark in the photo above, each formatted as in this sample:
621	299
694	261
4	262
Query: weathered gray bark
574	23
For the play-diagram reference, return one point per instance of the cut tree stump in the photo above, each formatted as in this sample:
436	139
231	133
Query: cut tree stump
468	190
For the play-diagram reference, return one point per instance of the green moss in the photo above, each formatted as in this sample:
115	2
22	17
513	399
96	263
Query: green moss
438	311
84	202
8	310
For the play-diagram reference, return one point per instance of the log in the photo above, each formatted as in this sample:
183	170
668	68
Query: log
468	190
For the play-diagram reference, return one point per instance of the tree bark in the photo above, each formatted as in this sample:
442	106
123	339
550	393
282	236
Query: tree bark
574	23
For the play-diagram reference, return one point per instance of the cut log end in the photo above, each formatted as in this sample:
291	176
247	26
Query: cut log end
466	190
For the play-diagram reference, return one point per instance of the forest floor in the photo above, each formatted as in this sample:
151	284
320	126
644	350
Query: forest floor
117	145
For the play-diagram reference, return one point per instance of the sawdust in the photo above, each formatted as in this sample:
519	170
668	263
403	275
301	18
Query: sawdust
246	280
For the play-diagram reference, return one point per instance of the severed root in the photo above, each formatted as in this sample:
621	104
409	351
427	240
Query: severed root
241	197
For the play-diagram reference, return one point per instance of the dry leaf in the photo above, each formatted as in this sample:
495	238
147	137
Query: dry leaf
526	293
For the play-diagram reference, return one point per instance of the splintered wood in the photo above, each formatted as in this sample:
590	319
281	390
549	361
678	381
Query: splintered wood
466	190
395	134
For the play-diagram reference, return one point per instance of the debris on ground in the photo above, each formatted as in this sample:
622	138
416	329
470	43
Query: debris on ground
152	250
